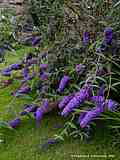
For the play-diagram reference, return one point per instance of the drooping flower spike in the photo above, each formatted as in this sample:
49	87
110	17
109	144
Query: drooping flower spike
28	109
111	105
24	89
15	66
63	83
65	101
87	117
36	41
40	112
108	35
86	38
6	72
43	66
80	68
44	76
14	123
78	99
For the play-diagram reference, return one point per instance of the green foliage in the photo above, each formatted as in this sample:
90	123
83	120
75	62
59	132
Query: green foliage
6	24
48	15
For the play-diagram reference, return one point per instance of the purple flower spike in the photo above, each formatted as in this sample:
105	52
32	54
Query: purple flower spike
108	33
6	73
28	109
79	98
24	90
44	76
43	66
86	38
38	115
101	90
35	41
111	105
32	61
79	68
7	69
45	103
40	111
74	102
65	101
64	81
14	123
101	72
97	99
90	115
25	72
15	66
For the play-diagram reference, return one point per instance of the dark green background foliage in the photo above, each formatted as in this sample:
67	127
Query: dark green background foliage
48	15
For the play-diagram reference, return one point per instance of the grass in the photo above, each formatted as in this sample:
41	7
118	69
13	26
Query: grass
24	142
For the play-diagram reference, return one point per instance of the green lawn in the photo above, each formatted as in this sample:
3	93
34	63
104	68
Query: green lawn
24	142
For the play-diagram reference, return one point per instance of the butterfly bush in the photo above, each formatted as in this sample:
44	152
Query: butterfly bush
36	67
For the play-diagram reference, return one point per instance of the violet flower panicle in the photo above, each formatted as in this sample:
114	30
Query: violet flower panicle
25	72
6	72
97	99
28	109
44	76
86	38
22	90
15	66
111	105
40	112
79	68
36	41
14	123
43	66
63	83
90	115
65	101
79	98
108	35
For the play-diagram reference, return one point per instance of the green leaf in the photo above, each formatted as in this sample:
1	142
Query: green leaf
4	124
